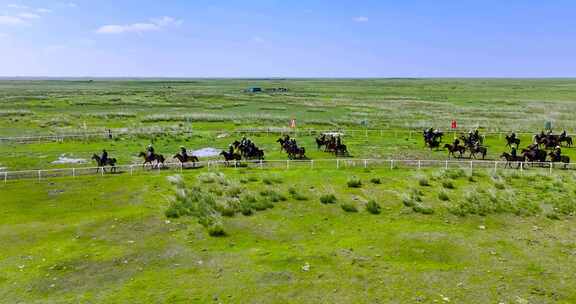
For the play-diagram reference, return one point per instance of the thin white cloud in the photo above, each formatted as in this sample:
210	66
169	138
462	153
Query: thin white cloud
258	39
43	10
11	20
142	27
361	19
17	6
28	16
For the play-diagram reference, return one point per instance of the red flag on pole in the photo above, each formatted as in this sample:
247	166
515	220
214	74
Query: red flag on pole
453	125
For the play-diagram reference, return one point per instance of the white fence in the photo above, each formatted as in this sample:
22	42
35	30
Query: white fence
545	167
268	131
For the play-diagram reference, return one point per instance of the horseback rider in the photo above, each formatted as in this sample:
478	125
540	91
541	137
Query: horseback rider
513	152
104	158
513	136
183	152
563	134
149	150
556	153
231	149
456	142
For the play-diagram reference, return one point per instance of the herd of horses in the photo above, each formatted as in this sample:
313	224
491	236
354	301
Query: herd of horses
239	150
471	143
537	153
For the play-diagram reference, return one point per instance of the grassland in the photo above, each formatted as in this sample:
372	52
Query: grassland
495	239
284	236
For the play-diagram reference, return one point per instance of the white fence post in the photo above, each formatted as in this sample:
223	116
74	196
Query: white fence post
287	164
446	165
131	169
471	166
419	164
39	174
495	166
102	171
551	165
73	172
311	164
337	164
391	164
365	164
5	177
261	165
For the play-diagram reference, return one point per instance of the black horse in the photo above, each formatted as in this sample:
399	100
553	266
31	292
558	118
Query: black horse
102	164
228	156
186	158
513	159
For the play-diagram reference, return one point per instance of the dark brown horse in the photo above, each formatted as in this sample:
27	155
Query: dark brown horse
512	159
561	159
153	159
101	164
455	148
477	149
231	157
184	159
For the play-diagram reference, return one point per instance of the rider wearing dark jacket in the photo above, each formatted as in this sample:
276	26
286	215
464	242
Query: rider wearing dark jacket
104	157
183	152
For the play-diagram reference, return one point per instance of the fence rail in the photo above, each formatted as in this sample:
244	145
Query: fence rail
269	131
547	167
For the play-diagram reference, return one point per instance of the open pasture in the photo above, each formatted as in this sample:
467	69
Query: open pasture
438	236
271	235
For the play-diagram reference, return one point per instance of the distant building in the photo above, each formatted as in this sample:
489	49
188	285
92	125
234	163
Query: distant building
254	90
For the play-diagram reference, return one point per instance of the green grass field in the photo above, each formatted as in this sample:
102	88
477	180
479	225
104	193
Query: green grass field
241	235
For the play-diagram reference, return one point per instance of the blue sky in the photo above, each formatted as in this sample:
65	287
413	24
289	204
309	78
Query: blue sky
266	38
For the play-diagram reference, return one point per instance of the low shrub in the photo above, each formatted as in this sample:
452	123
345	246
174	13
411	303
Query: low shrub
216	230
354	182
376	180
296	195
373	207
423	181
273	195
328	199
448	184
443	196
423	209
349	207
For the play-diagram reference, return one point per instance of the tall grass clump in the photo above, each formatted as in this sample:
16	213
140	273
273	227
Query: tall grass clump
354	182
423	181
376	180
328	199
373	207
349	207
196	203
295	194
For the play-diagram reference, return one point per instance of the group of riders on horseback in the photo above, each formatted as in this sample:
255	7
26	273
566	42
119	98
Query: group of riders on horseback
472	142
536	152
291	147
332	143
243	149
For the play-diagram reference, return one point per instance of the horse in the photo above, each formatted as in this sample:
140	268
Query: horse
510	159
454	148
477	149
151	158
512	141
566	139
185	159
535	155
228	156
562	159
101	164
